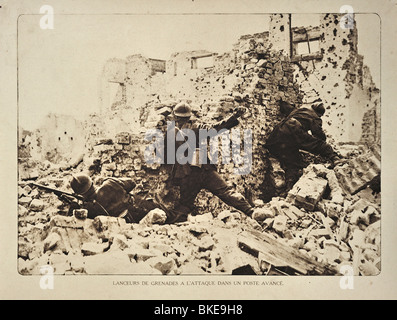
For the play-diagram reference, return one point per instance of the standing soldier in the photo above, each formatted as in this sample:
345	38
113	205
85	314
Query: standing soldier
112	198
195	176
292	135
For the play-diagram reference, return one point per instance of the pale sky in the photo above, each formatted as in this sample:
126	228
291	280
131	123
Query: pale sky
59	68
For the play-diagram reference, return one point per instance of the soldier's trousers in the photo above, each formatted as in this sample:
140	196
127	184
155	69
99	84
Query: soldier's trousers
210	180
291	161
140	207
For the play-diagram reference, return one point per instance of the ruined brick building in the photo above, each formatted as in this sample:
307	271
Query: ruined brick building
295	64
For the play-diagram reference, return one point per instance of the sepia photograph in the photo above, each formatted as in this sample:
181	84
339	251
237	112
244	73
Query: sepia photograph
197	148
293	88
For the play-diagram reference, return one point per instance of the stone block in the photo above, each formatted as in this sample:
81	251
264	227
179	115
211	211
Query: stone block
296	211
155	216
25	201
357	238
343	231
307	192
66	222
22	211
165	249
204	244
331	250
80	214
296	242
92	248
108	223
123	138
310	245
103	141
268	223
321	232
357	217
52	241
201	218
261	63
165	111
36	205
141	254
225	215
280	223
261	214
306	223
115	262
119	242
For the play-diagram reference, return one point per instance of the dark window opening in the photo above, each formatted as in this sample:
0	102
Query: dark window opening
305	41
203	62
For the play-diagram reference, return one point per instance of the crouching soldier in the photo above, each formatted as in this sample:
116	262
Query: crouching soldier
111	198
292	135
193	177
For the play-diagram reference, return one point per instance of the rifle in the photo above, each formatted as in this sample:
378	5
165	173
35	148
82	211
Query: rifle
61	194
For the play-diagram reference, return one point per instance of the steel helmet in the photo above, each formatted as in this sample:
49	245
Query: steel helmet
319	108
183	110
81	183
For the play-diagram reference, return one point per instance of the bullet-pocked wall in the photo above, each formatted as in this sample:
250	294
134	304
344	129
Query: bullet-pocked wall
328	66
295	64
252	72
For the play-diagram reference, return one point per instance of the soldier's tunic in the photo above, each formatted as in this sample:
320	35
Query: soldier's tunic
292	135
113	198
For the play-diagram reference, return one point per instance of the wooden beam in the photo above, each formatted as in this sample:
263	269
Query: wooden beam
280	254
302	37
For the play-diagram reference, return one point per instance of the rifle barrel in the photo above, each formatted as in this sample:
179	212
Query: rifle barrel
57	192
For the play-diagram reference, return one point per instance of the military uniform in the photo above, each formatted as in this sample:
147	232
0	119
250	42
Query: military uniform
113	198
291	135
192	177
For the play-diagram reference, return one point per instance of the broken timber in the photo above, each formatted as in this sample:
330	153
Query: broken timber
281	255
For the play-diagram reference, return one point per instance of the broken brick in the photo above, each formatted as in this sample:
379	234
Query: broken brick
123	138
155	216
36	205
92	248
307	192
280	223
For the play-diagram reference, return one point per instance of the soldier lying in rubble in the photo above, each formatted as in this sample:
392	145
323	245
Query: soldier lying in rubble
112	198
292	135
193	176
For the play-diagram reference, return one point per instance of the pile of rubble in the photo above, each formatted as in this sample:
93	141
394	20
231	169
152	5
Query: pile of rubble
316	229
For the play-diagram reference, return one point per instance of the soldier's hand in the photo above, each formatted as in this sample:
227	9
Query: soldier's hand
336	161
239	111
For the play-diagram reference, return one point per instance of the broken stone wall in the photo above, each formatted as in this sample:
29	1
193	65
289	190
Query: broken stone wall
60	140
187	79
336	74
279	32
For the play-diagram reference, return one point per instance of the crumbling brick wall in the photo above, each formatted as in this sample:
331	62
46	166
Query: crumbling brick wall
257	77
259	71
337	75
